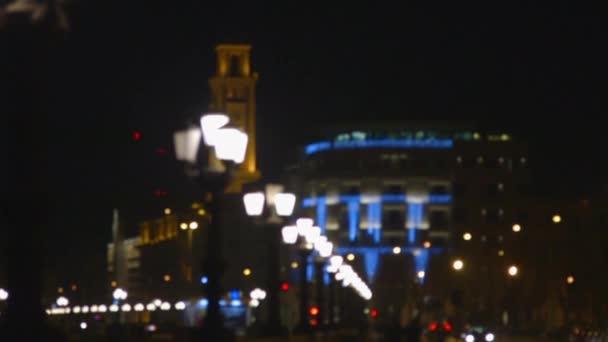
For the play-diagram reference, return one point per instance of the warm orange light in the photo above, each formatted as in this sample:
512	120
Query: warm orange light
60	290
167	278
427	244
114	284
570	280
74	287
556	219
314	311
516	228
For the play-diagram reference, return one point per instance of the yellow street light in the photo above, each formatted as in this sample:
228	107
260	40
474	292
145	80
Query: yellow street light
513	270
427	244
516	228
294	264
570	280
350	257
183	226
167	278
556	218
247	272
193	225
467	236
167	211
457	264
501	253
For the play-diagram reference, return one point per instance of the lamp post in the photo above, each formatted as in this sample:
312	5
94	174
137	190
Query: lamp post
302	235
229	145
278	204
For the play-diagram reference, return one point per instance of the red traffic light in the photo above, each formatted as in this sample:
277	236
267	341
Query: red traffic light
373	313
136	135
447	327
433	326
314	311
285	286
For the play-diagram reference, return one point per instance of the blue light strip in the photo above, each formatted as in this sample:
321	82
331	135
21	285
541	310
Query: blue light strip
353	219
376	143
411	236
421	259
318	147
378	218
310	269
388	198
393	198
440	199
321	214
371	263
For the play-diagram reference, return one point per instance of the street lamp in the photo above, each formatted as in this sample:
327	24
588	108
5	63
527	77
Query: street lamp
229	145
3	294
457	264
278	204
513	270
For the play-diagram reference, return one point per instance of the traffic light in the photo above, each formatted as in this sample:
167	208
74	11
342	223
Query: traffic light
136	135
373	313
314	311
284	286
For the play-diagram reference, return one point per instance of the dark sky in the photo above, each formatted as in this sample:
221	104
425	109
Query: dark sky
536	69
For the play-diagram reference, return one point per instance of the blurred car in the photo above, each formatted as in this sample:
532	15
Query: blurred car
438	331
478	334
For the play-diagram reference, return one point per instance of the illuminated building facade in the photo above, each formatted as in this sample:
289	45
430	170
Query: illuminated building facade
164	260
233	93
399	197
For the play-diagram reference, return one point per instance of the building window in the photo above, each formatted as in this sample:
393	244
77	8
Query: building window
438	219
353	190
492	190
491	163
439	190
393	220
393	189
492	217
458	189
459	215
522	217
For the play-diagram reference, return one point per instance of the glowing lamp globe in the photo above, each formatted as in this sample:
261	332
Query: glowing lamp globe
290	234
313	234
210	124
326	249
303	225
230	144
186	144
284	203
254	203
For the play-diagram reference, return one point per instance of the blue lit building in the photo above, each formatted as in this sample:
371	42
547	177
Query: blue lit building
399	197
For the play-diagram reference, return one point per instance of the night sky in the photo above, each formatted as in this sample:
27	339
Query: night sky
538	71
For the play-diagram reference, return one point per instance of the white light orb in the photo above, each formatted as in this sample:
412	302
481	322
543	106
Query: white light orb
210	123
284	203
289	234
254	203
180	306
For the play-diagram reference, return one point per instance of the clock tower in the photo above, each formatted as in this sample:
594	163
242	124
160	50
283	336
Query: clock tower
233	93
